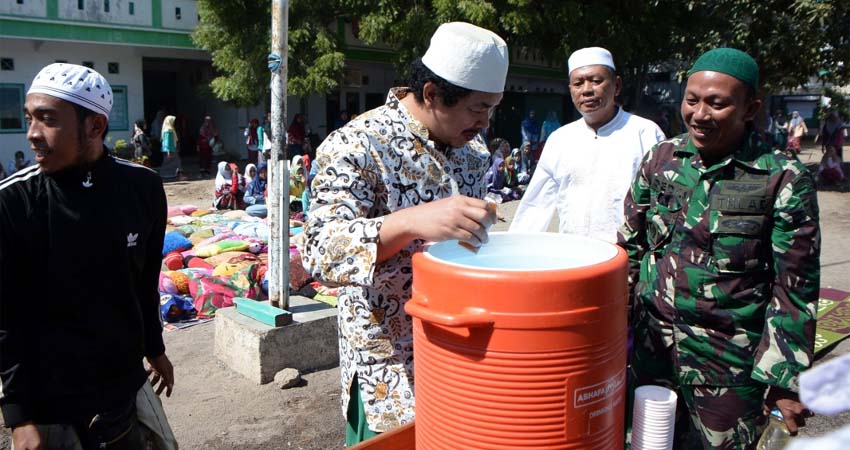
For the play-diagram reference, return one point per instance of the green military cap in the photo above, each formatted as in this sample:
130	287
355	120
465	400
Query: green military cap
730	61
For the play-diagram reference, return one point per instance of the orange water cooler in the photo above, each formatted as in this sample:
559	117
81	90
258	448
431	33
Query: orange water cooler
521	345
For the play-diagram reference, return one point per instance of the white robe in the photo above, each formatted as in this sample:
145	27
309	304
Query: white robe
585	175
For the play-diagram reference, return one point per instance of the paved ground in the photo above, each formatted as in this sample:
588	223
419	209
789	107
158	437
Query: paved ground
214	408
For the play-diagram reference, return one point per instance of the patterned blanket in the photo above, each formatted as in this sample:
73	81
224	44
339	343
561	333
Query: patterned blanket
833	319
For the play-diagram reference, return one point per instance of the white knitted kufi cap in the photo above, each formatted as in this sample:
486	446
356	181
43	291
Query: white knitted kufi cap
468	56
590	56
76	84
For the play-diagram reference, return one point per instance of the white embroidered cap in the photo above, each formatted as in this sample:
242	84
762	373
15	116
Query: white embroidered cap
468	56
76	84
590	56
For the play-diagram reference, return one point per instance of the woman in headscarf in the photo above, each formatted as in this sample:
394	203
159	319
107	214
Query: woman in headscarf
499	148
171	167
229	187
495	177
497	180
796	130
512	179
510	173
779	130
264	142
250	173
296	134
832	134
523	175
207	136
531	129
310	172
549	126
830	170
141	143
305	159
515	154
526	163
297	185
255	194
531	132
252	141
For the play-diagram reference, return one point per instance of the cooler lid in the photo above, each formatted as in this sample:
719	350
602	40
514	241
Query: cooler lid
525	252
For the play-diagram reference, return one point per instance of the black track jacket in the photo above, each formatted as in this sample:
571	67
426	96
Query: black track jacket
80	255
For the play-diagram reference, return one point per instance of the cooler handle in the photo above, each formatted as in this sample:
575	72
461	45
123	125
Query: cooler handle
470	318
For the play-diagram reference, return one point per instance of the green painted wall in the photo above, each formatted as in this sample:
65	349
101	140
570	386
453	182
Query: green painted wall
52	9
68	32
156	13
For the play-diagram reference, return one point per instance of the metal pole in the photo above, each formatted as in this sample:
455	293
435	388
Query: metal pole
278	171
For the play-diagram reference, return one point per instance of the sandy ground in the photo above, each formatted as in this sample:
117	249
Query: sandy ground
214	408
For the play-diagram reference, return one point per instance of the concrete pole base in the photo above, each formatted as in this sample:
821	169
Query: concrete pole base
258	351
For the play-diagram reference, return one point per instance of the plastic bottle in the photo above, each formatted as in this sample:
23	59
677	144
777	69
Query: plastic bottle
776	435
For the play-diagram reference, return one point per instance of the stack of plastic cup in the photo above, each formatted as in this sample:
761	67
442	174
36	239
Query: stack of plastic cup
654	418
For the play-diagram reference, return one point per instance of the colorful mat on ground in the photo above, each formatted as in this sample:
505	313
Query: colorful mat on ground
327	299
833	318
184	324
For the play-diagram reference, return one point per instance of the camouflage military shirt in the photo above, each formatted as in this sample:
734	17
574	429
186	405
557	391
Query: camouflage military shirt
724	264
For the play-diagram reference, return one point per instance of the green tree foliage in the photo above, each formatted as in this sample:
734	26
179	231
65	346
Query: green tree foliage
837	103
791	39
238	34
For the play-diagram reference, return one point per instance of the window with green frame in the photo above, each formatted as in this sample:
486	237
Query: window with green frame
118	116
12	108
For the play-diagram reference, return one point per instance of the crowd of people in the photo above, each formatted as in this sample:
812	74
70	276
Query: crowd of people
249	190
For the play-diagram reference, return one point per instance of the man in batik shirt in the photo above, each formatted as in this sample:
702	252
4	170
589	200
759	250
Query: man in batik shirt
405	173
723	241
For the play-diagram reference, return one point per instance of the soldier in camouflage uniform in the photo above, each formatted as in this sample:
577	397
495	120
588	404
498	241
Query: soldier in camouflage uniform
724	244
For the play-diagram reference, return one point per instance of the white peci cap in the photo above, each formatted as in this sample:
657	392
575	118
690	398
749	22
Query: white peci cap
590	56
76	84
468	56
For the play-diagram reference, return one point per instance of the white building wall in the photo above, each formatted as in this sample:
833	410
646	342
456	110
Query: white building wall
188	18
316	106
28	8
31	56
119	11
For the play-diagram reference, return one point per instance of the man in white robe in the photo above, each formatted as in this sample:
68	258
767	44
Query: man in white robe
587	166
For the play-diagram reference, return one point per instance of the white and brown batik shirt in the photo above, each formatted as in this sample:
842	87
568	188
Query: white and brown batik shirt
377	164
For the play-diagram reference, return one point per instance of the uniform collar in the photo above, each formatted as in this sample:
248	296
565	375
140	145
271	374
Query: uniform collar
747	154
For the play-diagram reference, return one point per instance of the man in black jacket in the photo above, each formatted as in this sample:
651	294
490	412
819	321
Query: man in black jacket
80	251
